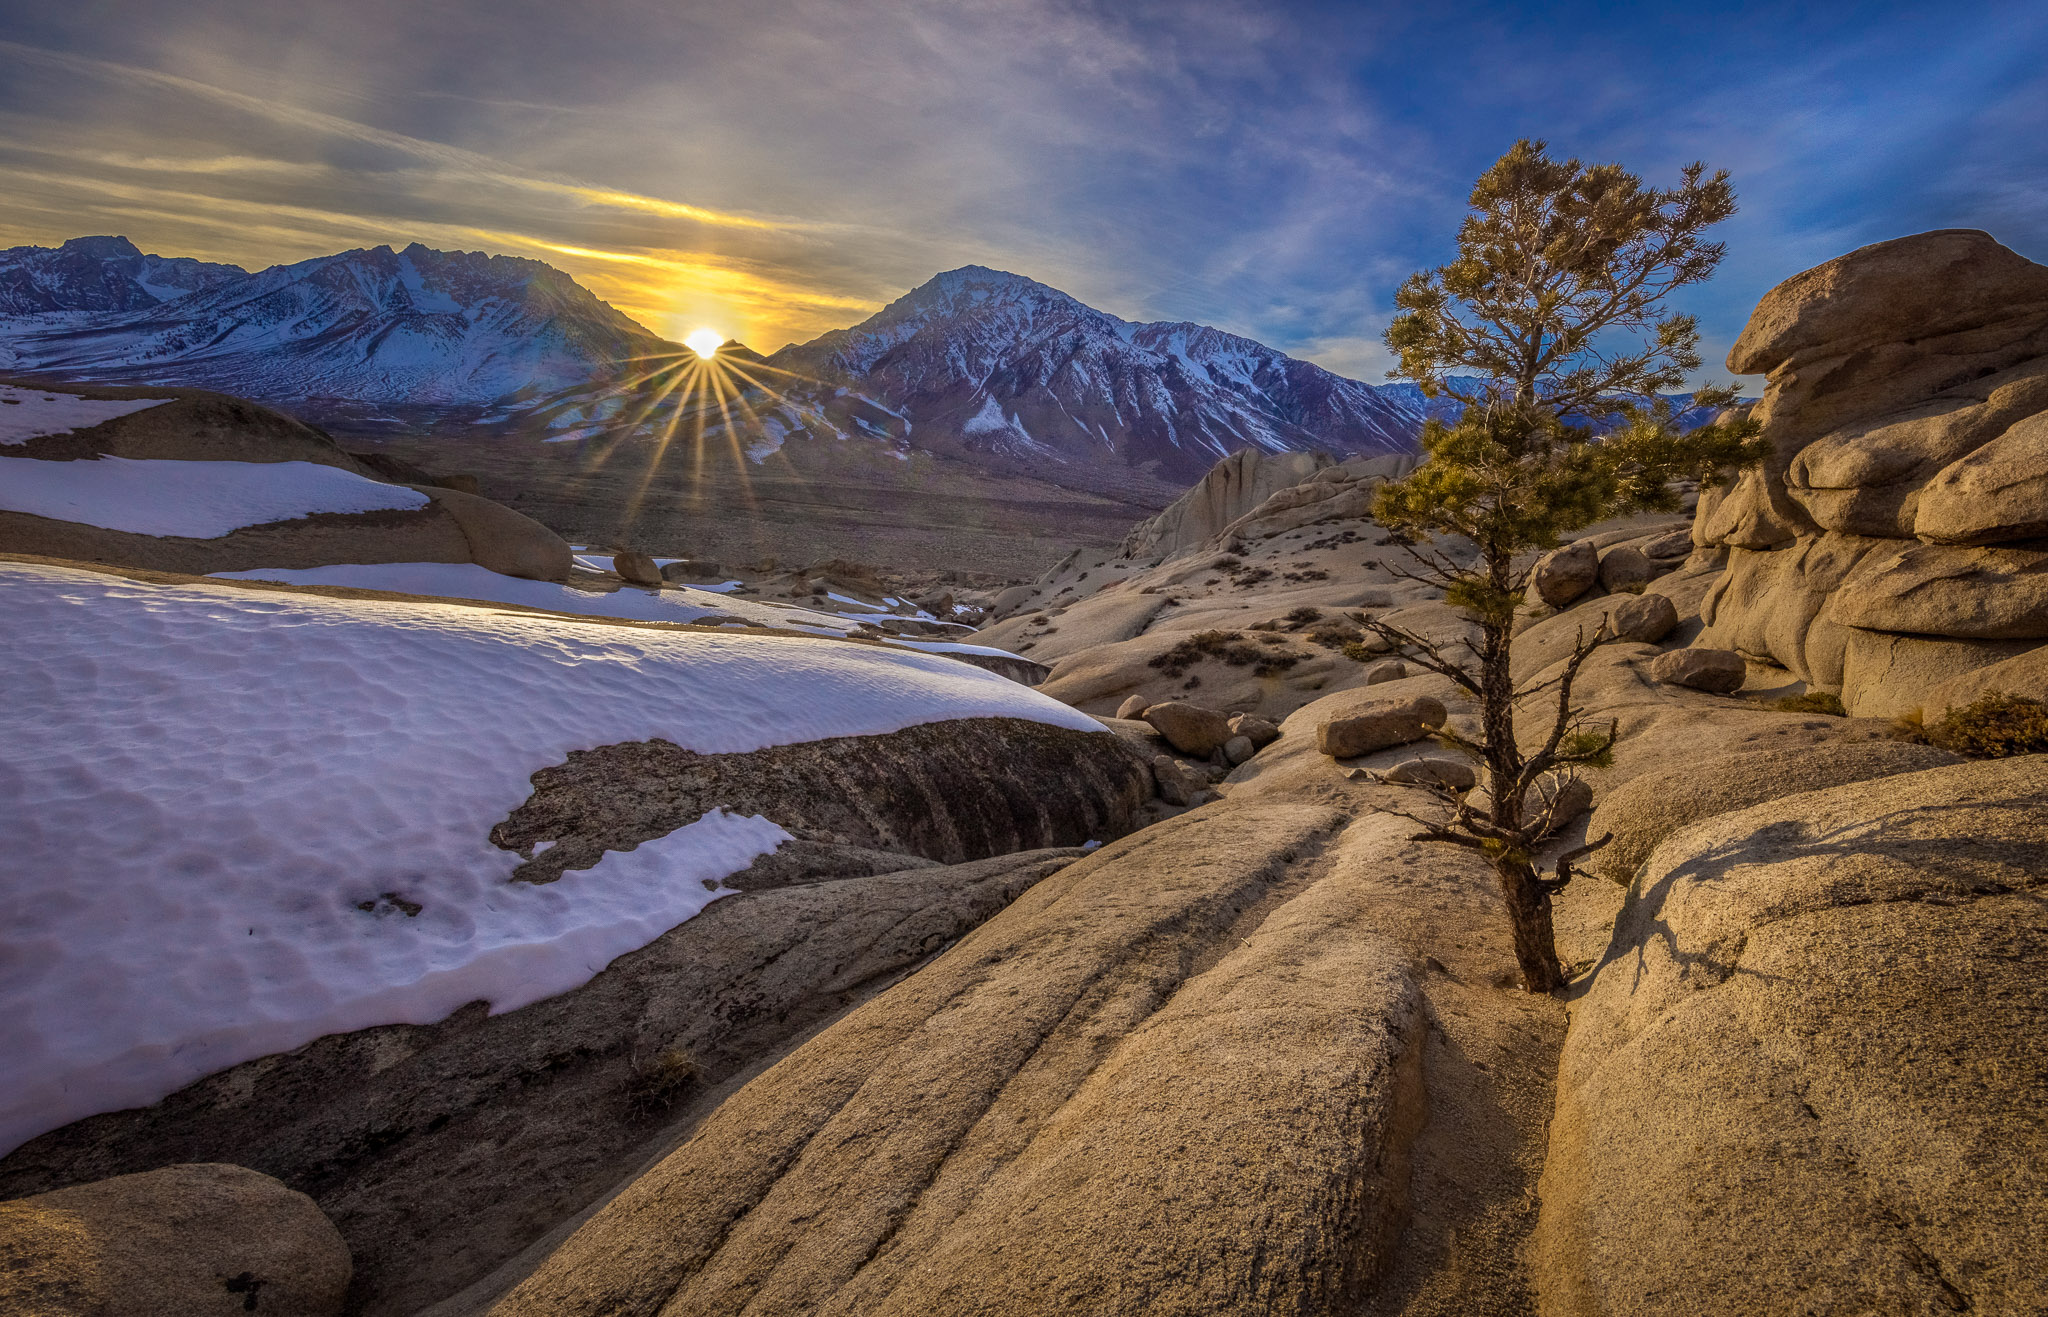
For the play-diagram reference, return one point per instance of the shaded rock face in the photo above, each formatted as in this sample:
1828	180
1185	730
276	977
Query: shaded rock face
1023	671
948	791
1907	490
1811	1063
202	1240
383	1127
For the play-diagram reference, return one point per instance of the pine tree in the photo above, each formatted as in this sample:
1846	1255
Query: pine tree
1551	322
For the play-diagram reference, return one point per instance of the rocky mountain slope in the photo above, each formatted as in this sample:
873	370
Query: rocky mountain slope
415	327
976	363
100	274
984	361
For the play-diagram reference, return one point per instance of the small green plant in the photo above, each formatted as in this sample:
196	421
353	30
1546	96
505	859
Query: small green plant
1826	702
1358	652
657	1083
1994	726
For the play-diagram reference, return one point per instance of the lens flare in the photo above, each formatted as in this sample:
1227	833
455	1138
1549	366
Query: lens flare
703	342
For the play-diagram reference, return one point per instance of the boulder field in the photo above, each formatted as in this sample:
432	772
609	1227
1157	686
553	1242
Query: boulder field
1263	1052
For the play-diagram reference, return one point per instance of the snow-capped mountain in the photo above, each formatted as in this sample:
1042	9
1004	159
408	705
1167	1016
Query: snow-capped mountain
100	274
415	327
994	364
976	365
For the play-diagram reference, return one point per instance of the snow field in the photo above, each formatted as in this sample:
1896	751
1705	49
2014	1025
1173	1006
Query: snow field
195	500
27	413
218	804
465	580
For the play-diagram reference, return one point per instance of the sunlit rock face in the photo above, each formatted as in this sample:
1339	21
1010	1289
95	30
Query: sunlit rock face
1897	537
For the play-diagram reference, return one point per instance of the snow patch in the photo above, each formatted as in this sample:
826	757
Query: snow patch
988	420
236	821
28	413
194	500
467	580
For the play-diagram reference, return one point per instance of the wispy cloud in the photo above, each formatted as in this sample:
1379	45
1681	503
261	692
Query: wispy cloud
1274	169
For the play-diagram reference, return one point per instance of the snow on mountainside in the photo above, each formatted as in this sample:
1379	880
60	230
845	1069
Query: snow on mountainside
988	368
100	274
987	362
417	327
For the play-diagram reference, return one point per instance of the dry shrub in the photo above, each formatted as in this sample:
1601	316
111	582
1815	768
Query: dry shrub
1826	702
1994	726
658	1083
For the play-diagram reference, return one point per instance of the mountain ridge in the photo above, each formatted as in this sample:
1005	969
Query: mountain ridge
994	363
977	365
373	325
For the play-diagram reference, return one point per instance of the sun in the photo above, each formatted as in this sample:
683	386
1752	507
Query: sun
704	342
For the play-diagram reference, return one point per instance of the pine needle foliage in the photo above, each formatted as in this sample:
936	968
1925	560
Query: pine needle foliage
1555	304
1557	295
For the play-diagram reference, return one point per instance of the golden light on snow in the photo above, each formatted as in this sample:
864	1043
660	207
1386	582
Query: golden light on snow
703	342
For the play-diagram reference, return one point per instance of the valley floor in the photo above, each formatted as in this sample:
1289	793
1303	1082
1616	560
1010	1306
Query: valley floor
927	515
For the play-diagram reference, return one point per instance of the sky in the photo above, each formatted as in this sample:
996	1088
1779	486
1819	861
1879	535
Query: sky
778	168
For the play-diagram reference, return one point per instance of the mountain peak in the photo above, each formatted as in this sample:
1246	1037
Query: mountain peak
1011	369
418	326
101	248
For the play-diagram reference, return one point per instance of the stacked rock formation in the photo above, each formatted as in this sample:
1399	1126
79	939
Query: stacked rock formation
1897	537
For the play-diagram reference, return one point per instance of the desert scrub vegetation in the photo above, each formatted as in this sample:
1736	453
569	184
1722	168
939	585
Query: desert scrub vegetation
1826	702
660	1081
1228	647
1994	726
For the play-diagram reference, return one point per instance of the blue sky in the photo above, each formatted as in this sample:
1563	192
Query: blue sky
781	167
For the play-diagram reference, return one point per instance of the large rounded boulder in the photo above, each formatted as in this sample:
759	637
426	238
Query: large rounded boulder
1645	810
204	1240
1806	1074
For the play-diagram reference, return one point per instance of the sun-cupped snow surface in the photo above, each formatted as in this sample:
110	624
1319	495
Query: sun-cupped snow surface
28	413
217	806
465	580
193	500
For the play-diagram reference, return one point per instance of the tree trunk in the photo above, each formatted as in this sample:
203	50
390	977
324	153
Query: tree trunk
1527	902
1529	911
